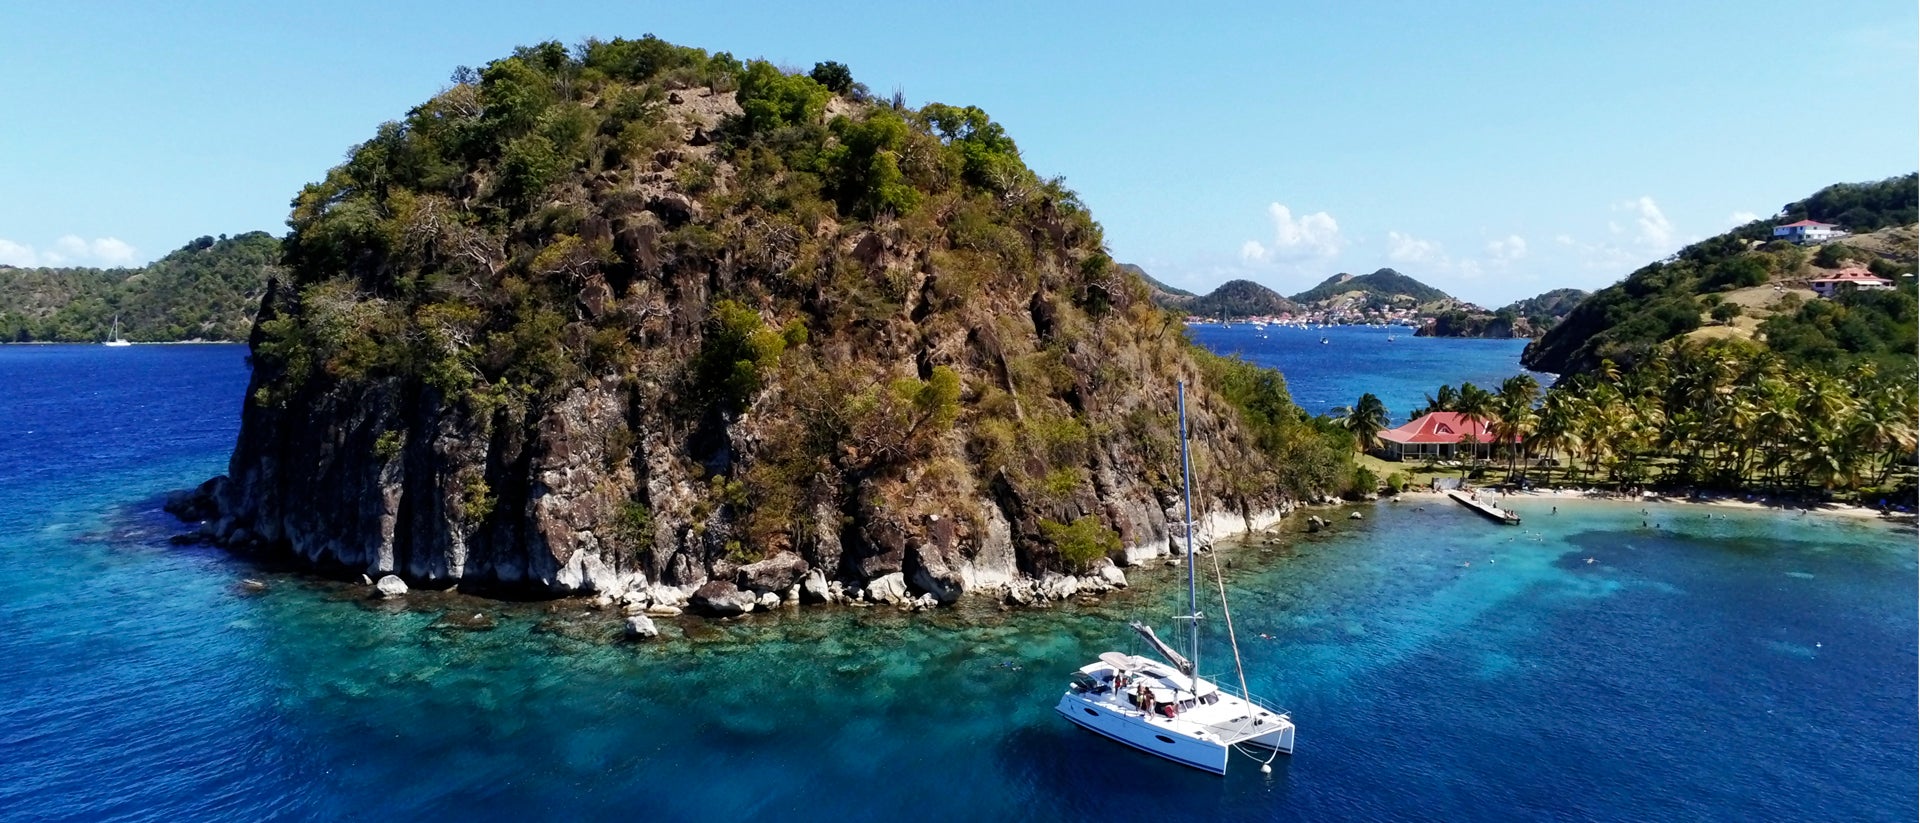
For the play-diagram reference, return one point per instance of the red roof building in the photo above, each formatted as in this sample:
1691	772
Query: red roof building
1849	279
1439	435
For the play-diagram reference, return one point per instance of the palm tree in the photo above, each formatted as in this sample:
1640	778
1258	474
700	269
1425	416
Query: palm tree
1364	420
1514	408
1882	430
1445	400
1474	403
1559	417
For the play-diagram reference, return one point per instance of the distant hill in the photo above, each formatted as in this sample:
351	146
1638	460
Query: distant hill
1552	305
208	289
1158	287
1241	298
1531	317
1386	286
1744	285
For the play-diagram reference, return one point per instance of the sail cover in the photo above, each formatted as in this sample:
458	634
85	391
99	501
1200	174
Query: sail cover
1179	661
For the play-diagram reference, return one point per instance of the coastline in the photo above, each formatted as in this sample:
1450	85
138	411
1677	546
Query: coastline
1748	503
132	342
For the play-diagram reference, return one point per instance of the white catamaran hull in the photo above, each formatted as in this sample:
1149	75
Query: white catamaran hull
1199	734
1138	731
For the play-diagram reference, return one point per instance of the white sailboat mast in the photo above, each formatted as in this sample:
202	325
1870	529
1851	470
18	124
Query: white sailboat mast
1186	488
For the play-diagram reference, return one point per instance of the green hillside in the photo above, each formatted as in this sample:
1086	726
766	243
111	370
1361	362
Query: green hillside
206	290
1386	286
1548	308
1530	317
1745	285
1240	298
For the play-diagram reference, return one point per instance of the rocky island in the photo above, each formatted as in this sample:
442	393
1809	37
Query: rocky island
638	320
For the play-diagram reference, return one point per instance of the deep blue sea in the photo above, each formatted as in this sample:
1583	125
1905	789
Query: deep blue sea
1356	359
1750	666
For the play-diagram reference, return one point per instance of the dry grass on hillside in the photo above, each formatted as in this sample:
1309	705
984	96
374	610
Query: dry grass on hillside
1897	243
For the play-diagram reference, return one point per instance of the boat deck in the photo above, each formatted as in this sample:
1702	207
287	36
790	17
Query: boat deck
1213	714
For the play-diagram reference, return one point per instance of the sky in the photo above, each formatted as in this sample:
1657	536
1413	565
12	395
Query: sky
1494	150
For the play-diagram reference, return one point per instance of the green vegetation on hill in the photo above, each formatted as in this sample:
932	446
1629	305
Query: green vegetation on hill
1674	297
1546	309
1240	298
206	290
1386	287
806	320
1859	207
1531	317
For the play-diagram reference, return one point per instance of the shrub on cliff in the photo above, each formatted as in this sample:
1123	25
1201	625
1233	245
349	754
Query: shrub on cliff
1081	542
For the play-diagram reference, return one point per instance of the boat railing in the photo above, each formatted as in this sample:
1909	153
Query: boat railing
1270	707
1253	699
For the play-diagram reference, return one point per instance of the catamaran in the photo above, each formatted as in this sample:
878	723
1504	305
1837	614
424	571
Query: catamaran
1163	707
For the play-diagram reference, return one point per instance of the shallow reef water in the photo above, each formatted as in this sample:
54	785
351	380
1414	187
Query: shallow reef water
1748	666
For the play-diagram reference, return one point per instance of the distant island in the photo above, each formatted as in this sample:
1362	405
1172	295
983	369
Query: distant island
1384	297
1531	317
208	289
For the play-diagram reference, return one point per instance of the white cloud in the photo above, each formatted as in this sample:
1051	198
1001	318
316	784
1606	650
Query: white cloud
1507	250
16	254
1655	231
1741	218
1405	248
1312	235
1430	257
114	252
70	249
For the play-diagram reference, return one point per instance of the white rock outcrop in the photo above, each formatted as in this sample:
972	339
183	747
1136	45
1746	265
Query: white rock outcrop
391	586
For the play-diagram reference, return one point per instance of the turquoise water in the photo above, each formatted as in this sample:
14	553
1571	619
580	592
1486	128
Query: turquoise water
1749	666
1358	359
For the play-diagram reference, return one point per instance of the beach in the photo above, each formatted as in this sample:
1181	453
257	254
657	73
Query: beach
1749	502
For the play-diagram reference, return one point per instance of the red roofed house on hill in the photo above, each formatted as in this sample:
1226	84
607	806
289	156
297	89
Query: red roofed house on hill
1807	231
1849	279
1439	435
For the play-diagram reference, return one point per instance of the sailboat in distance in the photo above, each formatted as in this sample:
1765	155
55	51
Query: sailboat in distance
116	340
1163	707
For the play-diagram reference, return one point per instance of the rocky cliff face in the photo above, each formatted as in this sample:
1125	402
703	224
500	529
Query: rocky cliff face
691	365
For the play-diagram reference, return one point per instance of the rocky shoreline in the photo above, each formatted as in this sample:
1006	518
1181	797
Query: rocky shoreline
783	580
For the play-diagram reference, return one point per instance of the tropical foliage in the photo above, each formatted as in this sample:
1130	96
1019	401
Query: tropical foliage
1723	414
206	290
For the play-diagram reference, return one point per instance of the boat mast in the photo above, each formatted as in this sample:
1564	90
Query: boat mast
1186	488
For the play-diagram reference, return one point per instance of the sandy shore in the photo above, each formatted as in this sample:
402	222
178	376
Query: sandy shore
1756	503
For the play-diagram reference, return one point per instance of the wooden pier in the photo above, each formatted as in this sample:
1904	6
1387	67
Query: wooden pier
1487	510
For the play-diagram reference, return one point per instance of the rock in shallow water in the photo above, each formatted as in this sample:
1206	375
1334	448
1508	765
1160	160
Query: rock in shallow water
722	599
391	586
888	588
640	627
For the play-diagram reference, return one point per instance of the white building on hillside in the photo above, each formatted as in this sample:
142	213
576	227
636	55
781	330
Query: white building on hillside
1850	279
1807	231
